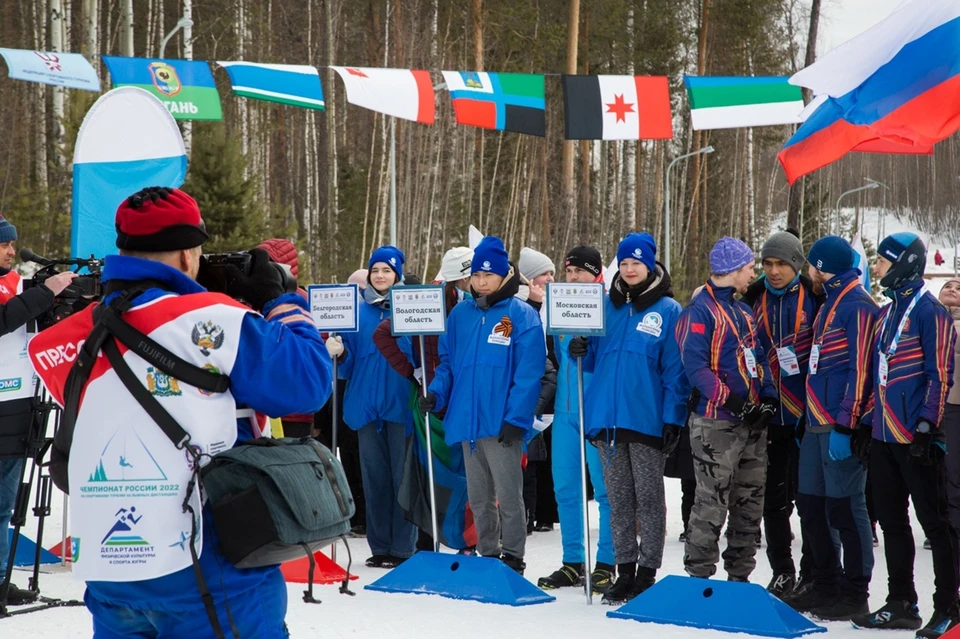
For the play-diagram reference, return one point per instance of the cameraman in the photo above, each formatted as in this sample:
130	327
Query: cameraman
17	308
127	480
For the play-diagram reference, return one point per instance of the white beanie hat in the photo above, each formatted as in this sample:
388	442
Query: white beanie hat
456	264
534	263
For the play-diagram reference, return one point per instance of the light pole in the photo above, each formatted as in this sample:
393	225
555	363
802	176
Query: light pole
182	23
666	219
883	207
872	185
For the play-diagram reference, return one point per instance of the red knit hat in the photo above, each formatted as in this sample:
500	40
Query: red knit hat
282	252
159	218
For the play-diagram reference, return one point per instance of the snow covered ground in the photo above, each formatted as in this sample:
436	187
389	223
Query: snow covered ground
373	614
389	616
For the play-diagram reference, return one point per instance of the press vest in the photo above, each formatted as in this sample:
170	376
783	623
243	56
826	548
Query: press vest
127	479
16	373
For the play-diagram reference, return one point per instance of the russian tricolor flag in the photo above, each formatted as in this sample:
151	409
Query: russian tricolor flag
894	89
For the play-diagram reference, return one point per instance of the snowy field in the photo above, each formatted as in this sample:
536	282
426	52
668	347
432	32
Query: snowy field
373	614
389	616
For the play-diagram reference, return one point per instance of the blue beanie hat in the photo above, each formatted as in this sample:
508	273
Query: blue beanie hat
892	246
8	232
728	255
831	254
490	257
392	257
640	247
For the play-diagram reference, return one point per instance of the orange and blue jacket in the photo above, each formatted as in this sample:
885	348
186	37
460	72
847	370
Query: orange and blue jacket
712	333
920	371
837	392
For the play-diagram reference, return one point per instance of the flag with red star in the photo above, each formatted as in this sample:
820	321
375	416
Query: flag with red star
616	107
402	93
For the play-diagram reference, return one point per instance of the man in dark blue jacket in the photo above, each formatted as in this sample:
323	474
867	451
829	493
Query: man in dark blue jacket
728	370
784	306
832	478
491	360
913	370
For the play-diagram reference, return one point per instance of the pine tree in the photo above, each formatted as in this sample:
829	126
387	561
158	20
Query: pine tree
220	180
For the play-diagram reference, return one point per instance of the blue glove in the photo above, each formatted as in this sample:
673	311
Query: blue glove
839	446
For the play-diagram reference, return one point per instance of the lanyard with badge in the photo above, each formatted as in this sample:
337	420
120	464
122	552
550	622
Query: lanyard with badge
815	349
786	355
892	349
749	357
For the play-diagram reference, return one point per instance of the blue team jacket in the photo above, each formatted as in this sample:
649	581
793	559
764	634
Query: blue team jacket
375	392
920	373
638	381
491	363
713	354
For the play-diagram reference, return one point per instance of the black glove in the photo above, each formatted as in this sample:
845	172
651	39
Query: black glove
763	415
578	347
860	442
742	410
426	404
264	283
919	451
510	434
671	439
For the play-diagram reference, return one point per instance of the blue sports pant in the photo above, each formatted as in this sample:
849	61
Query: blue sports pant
831	495
569	493
256	613
383	451
9	482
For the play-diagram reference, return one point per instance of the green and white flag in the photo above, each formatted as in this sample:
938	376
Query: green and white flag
730	102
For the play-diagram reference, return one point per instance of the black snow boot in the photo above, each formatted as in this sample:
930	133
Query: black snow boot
646	577
622	590
566	576
895	615
514	562
940	623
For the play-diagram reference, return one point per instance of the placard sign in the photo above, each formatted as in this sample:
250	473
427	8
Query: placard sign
575	309
417	310
335	308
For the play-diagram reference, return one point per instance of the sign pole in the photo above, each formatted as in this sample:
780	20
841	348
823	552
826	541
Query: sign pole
335	421
583	487
577	309
428	435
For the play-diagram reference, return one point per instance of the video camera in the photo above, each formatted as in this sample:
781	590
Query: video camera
70	300
214	265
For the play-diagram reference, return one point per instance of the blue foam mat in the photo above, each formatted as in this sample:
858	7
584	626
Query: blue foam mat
717	605
473	578
26	550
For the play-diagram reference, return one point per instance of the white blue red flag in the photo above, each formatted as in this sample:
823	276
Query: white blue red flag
893	89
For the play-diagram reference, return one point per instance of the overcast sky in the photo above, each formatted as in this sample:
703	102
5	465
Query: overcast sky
841	20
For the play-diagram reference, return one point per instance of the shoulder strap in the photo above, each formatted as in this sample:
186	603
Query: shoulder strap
159	356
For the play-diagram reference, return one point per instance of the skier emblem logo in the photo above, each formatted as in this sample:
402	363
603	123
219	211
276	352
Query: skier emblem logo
486	266
637	253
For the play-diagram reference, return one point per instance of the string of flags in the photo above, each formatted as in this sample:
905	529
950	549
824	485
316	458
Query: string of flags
596	107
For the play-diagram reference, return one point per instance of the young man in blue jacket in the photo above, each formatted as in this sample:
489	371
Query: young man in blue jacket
832	478
491	360
638	358
584	265
784	306
735	401
913	350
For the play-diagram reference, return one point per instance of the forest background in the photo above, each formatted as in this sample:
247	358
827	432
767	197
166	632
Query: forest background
322	179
